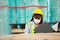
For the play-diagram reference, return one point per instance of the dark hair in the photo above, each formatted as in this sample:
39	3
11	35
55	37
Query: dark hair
41	18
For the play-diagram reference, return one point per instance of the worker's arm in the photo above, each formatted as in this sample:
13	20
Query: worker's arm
26	29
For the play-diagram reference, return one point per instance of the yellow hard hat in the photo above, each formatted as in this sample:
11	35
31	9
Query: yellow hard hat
38	11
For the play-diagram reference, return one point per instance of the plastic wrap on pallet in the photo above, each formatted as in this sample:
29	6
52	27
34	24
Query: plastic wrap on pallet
20	12
4	22
13	12
54	11
5	29
3	2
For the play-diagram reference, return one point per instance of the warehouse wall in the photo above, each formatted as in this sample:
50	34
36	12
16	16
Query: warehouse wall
54	10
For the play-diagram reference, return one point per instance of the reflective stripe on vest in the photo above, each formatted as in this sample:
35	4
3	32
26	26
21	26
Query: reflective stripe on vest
33	29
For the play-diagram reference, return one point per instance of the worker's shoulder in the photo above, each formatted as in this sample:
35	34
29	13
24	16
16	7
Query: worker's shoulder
30	22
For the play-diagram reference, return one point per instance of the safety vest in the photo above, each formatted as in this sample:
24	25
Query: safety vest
32	27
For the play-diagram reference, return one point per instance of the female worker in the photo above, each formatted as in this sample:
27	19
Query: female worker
37	19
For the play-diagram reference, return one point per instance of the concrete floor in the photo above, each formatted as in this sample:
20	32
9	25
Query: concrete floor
37	36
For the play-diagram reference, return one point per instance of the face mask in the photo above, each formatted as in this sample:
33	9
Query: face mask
37	20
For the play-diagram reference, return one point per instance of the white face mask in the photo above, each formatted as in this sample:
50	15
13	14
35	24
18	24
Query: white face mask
37	20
